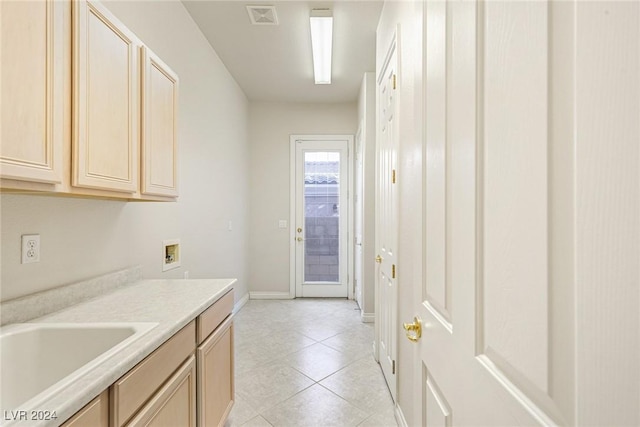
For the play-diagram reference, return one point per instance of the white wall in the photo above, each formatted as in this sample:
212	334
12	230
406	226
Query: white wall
82	238
367	119
271	124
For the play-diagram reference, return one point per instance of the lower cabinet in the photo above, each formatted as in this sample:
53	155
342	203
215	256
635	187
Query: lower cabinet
186	382
175	403
215	376
94	414
146	383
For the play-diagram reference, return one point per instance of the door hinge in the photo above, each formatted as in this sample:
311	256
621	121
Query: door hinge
393	176
393	271
394	81
393	367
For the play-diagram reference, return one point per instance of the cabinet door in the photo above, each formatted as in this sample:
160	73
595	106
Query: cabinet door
94	414
132	390
32	86
215	376
106	100
159	126
175	403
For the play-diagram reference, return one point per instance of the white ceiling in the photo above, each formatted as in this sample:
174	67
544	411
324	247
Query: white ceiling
274	63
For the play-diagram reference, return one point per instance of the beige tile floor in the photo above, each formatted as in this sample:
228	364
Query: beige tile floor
307	362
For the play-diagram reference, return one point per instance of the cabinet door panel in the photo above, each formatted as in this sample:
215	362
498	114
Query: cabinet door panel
94	414
159	127
175	403
215	376
106	107
130	392
31	94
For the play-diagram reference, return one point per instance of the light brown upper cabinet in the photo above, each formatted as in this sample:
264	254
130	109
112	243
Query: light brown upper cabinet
86	110
159	126
31	98
106	138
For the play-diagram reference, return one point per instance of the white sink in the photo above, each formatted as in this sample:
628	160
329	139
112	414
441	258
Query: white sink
39	359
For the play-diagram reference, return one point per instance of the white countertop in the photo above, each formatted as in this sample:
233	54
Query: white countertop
170	303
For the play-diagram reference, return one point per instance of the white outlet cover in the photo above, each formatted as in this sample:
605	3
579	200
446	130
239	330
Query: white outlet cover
30	248
282	223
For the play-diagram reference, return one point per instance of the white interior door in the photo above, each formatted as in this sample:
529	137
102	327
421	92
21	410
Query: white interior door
321	229
386	220
496	305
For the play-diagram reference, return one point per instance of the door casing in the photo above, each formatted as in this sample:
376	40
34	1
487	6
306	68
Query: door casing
386	222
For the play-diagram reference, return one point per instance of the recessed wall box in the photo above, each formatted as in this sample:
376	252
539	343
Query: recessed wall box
170	254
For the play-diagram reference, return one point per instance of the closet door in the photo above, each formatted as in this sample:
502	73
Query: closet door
106	101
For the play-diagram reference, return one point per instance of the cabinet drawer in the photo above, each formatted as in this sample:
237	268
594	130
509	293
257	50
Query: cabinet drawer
209	320
131	391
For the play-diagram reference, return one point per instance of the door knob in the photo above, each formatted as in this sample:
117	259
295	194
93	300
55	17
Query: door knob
414	330
299	230
379	259
299	239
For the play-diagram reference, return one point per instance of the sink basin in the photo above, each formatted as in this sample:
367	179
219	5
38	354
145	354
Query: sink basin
39	359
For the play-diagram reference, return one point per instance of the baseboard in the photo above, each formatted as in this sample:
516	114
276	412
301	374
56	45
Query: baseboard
368	317
241	302
269	295
402	421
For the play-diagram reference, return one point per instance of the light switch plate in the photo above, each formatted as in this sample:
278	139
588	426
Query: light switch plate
282	223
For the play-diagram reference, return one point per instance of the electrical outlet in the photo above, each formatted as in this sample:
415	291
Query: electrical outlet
30	248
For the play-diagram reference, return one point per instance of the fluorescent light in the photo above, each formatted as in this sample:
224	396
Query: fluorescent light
321	22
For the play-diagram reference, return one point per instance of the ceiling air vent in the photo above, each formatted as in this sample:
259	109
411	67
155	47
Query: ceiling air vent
263	15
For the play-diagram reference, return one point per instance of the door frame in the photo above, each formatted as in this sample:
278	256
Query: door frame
358	215
292	206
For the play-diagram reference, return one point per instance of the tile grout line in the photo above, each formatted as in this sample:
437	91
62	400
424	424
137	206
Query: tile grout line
262	319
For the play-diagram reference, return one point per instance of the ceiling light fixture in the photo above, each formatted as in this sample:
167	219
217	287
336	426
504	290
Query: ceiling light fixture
321	22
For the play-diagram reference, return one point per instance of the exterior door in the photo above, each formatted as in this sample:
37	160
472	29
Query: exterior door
321	228
497	304
386	220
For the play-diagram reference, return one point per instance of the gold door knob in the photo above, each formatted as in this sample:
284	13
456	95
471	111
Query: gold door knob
299	239
414	330
379	259
299	230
